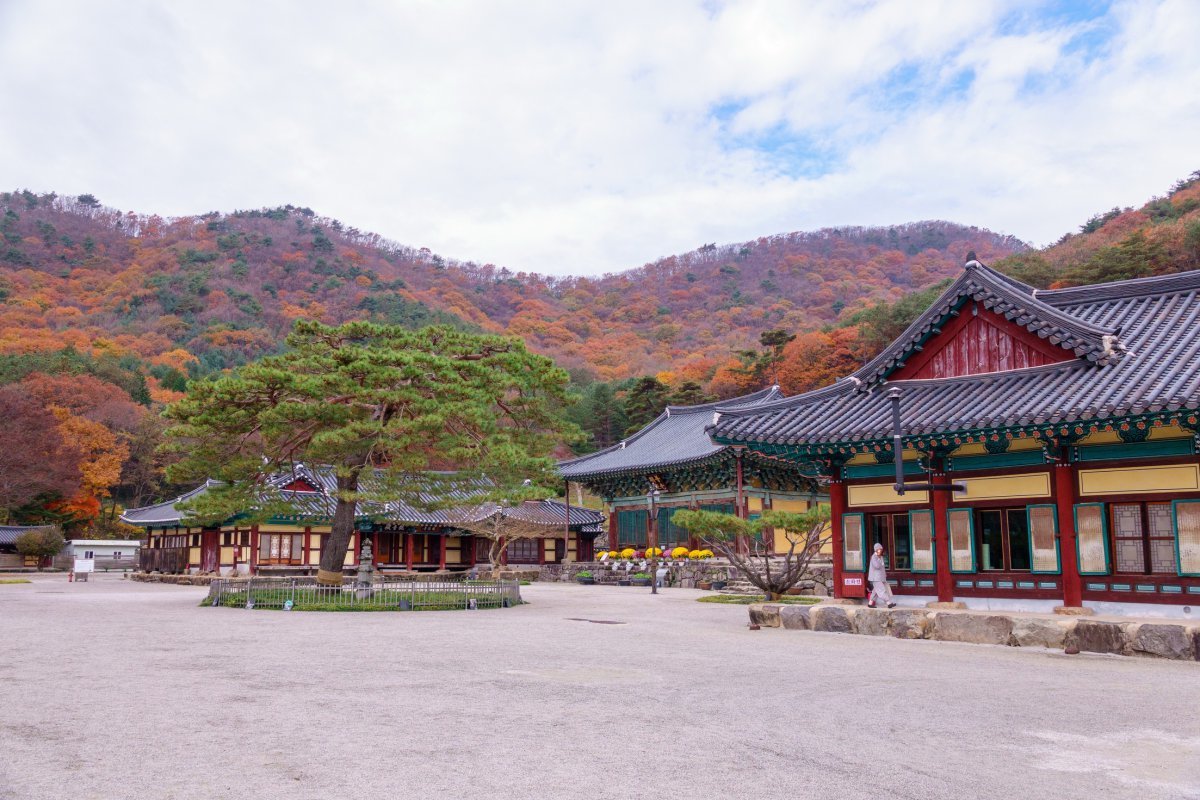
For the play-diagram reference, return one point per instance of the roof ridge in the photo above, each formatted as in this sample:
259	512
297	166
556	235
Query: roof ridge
1171	283
763	395
837	387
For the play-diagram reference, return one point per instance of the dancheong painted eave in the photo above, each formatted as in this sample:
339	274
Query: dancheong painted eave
1137	350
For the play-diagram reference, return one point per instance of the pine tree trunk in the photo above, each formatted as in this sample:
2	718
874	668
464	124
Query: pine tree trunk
333	553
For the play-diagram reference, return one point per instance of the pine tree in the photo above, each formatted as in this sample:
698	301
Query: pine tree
363	396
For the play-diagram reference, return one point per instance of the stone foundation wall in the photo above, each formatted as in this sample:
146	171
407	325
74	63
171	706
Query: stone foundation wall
1177	641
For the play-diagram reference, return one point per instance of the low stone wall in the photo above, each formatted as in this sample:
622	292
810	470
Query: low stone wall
178	580
1178	641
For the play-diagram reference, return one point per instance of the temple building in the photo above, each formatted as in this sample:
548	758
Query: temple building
671	464
404	537
1067	419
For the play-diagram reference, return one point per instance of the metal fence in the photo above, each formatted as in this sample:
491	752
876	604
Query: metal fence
388	594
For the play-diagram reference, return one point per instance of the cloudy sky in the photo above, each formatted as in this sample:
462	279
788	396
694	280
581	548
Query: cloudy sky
586	137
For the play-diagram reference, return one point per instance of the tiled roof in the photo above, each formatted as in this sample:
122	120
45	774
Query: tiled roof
320	504
675	437
1016	301
9	533
164	513
1154	365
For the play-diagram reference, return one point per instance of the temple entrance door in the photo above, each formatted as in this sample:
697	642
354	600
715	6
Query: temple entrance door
210	551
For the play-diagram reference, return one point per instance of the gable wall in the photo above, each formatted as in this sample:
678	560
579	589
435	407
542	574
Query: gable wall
977	341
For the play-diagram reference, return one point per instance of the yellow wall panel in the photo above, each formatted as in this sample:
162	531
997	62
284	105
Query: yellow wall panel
1167	432
754	505
194	555
314	557
1100	437
1003	487
1141	480
860	459
790	506
882	494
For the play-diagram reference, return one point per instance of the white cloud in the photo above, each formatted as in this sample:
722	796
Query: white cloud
581	137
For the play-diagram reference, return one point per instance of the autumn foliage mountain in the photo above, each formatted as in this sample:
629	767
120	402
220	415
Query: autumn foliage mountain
105	315
204	293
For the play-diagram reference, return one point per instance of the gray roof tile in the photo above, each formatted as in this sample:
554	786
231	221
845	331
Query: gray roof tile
677	436
1156	368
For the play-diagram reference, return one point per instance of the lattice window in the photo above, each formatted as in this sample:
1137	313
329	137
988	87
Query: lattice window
962	552
1091	539
920	525
1128	537
852	542
1162	538
1043	538
1187	528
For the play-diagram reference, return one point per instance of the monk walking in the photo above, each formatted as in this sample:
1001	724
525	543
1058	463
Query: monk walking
877	575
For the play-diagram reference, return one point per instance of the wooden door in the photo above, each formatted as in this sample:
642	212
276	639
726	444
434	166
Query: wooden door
210	551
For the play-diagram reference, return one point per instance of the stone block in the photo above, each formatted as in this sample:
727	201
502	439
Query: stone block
1162	640
910	623
1091	636
765	614
871	621
831	619
796	618
973	628
1034	632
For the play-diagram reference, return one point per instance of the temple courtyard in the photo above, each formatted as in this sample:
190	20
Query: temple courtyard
114	689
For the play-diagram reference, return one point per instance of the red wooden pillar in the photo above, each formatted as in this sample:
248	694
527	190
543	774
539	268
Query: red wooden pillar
503	553
408	551
612	529
442	551
253	549
1065	498
356	543
940	503
305	547
739	504
837	508
567	527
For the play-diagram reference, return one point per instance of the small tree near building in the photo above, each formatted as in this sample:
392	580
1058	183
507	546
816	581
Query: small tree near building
741	543
501	530
40	543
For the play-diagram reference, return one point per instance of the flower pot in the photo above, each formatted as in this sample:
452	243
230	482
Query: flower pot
704	585
622	582
586	581
719	584
641	581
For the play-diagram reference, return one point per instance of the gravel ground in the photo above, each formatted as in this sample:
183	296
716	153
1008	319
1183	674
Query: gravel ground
112	689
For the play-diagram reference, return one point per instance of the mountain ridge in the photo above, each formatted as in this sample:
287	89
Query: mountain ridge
224	288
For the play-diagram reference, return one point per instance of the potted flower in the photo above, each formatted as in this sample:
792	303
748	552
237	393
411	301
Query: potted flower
704	583
640	579
585	577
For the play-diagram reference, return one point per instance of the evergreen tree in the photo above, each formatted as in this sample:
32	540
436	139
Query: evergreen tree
644	400
363	396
